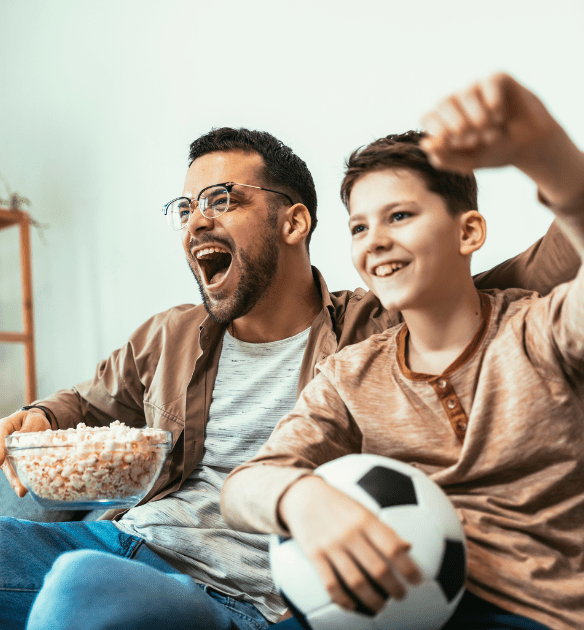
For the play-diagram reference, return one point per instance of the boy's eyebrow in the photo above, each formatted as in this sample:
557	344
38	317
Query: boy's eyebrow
387	207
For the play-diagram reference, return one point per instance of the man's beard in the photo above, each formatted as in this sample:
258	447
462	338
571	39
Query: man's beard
256	274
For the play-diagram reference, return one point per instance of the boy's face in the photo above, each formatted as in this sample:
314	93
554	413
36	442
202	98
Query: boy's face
405	244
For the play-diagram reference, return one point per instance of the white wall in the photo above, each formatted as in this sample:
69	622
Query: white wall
100	99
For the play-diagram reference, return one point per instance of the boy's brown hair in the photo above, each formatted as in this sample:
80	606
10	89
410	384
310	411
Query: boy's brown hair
403	151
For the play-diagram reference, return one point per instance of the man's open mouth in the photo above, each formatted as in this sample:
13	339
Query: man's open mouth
214	262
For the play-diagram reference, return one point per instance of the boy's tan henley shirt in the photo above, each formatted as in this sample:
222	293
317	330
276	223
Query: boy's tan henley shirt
501	431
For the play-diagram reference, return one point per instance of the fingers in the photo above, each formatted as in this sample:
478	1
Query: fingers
468	118
395	550
9	425
18	421
495	122
13	479
359	578
357	573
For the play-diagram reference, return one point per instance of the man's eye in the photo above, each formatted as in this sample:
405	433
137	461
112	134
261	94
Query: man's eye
218	203
184	209
356	229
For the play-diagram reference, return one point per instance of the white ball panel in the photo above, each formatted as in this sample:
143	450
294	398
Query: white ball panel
294	575
439	505
420	529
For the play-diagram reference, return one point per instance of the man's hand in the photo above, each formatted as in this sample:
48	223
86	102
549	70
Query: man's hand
358	558
31	420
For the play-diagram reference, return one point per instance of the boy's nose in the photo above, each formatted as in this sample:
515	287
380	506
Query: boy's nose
379	238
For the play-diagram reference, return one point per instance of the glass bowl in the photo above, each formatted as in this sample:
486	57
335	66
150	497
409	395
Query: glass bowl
89	468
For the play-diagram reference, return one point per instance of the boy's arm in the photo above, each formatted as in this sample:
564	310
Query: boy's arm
356	555
499	122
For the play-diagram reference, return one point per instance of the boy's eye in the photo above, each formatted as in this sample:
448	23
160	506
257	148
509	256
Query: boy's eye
399	216
356	229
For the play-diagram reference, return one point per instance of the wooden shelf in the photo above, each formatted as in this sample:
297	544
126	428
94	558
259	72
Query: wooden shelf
10	218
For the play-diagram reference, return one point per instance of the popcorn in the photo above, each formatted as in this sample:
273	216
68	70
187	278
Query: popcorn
88	464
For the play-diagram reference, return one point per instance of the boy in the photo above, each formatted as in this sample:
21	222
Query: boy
480	390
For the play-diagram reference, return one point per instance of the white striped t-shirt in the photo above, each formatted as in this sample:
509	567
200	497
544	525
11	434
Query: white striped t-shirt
255	386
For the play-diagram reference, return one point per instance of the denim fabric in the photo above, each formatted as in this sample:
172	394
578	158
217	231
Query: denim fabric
89	575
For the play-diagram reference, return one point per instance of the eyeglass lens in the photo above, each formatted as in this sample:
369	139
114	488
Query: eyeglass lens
212	203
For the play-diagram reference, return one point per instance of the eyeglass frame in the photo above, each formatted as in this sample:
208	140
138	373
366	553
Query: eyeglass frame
229	187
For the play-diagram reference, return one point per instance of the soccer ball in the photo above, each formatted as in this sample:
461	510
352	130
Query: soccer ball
419	512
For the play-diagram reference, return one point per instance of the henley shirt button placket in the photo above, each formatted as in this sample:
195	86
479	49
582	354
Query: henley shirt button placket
452	406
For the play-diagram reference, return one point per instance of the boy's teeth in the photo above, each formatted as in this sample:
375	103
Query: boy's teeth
388	269
383	270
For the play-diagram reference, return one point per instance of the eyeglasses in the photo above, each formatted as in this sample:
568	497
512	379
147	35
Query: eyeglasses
212	202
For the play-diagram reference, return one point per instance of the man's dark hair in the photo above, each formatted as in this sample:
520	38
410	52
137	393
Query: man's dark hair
282	167
402	151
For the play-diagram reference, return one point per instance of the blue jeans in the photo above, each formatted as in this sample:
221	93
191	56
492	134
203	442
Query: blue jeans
130	587
89	576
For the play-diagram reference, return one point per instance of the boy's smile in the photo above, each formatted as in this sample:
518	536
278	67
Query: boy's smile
405	243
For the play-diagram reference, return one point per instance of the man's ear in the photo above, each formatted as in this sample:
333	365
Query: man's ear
473	232
296	225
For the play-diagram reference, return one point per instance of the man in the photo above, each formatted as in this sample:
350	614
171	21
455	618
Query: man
219	377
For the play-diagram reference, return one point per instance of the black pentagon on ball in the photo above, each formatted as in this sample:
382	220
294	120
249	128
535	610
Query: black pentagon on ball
451	576
300	618
388	487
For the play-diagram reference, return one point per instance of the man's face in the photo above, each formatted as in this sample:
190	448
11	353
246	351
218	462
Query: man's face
233	257
405	244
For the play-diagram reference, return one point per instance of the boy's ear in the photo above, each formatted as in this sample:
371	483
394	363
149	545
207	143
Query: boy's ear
473	232
296	225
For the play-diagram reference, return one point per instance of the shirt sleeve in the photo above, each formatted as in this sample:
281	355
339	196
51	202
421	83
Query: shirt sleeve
317	430
116	391
550	261
554	335
553	332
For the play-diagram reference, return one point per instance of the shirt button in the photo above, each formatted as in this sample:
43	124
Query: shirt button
442	383
451	403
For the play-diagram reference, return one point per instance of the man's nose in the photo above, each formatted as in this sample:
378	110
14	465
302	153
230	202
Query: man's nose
198	223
